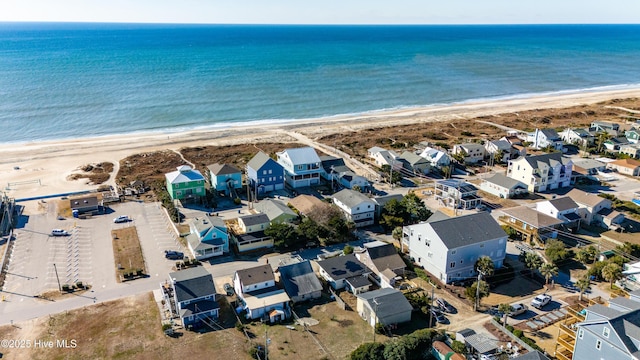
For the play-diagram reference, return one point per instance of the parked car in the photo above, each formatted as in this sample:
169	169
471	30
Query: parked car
438	316
540	301
59	232
228	289
121	219
173	255
518	309
445	306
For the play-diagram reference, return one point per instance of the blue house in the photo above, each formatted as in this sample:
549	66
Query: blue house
194	295
264	174
209	237
225	178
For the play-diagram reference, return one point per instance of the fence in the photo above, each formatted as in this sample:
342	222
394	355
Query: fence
513	337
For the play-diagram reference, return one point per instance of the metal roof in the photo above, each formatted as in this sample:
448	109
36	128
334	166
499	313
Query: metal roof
482	343
303	155
184	174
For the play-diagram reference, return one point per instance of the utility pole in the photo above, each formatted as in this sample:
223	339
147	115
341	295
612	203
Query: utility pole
478	289
266	343
375	323
57	277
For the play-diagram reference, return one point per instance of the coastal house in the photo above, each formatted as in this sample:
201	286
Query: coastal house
633	135
383	259
248	234
456	194
208	237
383	157
613	144
414	162
258	295
436	158
385	306
543	138
588	167
604	126
579	137
300	281
542	172
345	272
301	166
473	153
339	174
276	211
562	208
611	332
629	167
192	293
449	248
499	147
381	201
356	207
264	174
185	184
530	224
596	210
307	204
633	150
503	186
225	179
517	147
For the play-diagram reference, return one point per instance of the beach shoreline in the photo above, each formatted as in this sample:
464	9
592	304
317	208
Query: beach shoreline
52	161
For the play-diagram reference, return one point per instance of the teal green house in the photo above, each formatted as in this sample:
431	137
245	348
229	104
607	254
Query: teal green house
185	184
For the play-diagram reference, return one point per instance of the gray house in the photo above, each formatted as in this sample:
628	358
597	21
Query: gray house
385	306
610	332
300	282
449	248
194	295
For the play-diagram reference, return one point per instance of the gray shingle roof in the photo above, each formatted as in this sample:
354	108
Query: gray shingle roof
299	279
255	275
502	144
358	281
273	209
549	159
254	219
383	200
532	217
223	169
352	198
532	355
259	160
563	203
466	230
197	307
504	181
192	283
384	256
342	267
389	302
338	164
437	216
413	158
551	134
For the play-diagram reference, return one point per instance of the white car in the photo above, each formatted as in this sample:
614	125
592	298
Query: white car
121	219
518	309
59	232
540	301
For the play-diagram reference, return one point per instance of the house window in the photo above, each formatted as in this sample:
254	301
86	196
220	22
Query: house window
481	245
453	252
598	344
453	264
264	172
605	332
270	171
266	284
461	261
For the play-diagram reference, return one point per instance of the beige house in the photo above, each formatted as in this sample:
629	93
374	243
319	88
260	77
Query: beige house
629	167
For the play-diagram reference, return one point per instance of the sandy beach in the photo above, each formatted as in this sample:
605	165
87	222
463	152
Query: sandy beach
51	162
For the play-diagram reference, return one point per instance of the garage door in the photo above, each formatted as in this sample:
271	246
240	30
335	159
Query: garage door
280	186
268	188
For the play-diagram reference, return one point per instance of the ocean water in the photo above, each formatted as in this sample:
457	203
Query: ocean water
77	80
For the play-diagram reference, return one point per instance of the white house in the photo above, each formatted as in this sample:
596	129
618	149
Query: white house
473	152
540	139
258	295
337	172
503	187
592	208
580	137
632	150
383	259
383	156
562	208
542	172
437	158
302	166
345	272
449	248
385	306
496	146
356	206
456	194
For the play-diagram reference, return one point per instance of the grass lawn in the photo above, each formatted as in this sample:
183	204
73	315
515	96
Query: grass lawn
127	251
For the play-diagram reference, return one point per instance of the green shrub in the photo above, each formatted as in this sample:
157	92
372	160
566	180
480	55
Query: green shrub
240	327
166	327
509	328
237	201
517	333
66	287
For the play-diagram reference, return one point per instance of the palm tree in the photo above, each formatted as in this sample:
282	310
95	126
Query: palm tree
484	266
548	270
583	284
397	235
612	272
532	261
505	309
601	138
587	255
